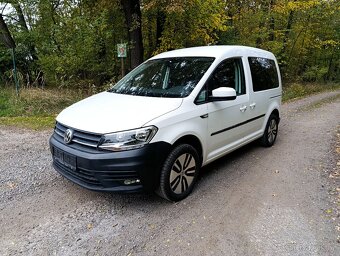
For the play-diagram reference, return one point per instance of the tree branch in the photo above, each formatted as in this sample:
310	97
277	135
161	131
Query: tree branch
10	17
2	11
5	35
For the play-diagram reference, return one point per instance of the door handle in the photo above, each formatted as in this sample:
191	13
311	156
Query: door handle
244	108
252	106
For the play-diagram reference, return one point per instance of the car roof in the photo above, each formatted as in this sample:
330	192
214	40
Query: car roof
216	51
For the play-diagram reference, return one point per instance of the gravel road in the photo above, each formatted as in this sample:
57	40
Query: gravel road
255	201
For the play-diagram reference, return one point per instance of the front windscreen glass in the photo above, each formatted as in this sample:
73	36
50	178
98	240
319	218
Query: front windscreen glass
170	77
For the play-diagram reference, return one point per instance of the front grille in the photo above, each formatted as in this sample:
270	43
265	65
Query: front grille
79	137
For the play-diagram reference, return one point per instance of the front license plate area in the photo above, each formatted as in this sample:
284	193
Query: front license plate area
65	159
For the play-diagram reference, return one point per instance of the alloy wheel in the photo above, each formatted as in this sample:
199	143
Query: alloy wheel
272	131
182	173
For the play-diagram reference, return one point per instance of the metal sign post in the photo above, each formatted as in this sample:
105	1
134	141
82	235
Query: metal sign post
122	53
15	75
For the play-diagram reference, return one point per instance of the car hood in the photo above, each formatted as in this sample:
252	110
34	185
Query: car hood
110	112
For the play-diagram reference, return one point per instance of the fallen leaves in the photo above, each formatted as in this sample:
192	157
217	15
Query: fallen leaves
11	185
152	226
334	174
89	226
329	211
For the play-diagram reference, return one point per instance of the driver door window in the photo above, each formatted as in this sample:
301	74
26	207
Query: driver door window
228	74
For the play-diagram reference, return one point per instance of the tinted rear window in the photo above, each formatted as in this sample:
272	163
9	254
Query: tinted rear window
264	73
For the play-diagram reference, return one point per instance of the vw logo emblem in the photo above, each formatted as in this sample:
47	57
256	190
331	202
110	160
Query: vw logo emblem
68	136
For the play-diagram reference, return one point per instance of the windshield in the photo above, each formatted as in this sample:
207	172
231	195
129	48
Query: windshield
171	77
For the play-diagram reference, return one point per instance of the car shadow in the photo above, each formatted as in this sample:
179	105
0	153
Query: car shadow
141	200
225	161
208	172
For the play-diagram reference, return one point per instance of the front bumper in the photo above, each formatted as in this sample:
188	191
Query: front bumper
107	171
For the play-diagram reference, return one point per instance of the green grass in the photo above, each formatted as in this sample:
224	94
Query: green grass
296	90
36	108
31	122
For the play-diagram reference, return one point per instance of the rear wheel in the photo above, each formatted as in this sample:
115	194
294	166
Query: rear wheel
179	173
270	133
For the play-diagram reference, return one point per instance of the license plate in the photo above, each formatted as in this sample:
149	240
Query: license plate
65	159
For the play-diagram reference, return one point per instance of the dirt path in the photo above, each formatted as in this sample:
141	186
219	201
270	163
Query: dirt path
255	201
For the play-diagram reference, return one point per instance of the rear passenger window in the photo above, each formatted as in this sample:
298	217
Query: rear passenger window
264	73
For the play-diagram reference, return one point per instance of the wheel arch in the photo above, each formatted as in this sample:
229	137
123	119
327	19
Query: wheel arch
276	112
193	141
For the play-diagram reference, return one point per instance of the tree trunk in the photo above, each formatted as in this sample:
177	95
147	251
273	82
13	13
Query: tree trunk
265	10
160	26
37	74
5	35
271	36
282	56
23	24
22	20
287	31
328	75
134	25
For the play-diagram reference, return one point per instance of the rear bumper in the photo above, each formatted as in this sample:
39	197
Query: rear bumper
109	171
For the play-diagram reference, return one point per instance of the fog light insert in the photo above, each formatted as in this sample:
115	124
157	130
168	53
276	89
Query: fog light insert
130	182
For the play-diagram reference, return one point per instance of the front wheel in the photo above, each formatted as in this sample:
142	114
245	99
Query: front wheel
270	133
179	173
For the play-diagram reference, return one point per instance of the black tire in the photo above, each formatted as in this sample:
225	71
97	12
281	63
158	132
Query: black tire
179	173
270	133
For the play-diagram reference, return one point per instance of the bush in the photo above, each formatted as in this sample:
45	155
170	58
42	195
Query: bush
315	74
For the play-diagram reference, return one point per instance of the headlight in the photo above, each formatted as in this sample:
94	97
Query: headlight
127	140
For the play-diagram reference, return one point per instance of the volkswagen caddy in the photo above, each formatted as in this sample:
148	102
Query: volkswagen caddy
173	114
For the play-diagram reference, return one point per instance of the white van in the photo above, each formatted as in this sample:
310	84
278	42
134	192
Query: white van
173	114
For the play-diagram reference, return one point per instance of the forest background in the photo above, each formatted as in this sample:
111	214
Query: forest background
72	44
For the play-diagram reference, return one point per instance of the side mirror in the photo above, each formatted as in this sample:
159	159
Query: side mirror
223	93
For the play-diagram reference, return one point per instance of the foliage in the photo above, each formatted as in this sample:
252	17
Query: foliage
186	23
302	34
314	74
72	43
5	65
77	43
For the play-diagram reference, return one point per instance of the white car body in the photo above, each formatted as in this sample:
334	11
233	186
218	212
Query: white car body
219	126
